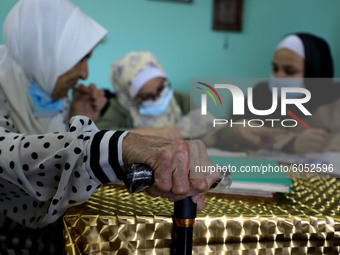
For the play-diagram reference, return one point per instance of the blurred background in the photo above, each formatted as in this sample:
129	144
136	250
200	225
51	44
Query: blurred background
182	36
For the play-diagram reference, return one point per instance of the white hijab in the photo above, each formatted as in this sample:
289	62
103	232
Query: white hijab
43	40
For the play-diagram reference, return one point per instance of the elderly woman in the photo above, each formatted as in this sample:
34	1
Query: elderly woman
49	162
143	100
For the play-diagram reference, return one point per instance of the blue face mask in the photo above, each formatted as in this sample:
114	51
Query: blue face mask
157	107
43	104
280	83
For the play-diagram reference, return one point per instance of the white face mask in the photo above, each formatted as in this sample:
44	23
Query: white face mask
285	83
157	107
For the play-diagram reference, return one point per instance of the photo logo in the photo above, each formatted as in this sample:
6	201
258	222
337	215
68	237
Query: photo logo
238	103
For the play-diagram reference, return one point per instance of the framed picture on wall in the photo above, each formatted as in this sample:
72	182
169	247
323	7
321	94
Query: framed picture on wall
228	15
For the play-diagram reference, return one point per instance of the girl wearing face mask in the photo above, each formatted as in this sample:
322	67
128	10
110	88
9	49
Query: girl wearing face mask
302	60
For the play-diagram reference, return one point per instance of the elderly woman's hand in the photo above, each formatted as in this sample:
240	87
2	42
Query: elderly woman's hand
87	101
174	164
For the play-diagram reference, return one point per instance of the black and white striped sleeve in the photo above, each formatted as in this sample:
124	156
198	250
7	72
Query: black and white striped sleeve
106	155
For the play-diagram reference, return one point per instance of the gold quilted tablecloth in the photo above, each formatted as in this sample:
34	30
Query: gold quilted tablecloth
306	221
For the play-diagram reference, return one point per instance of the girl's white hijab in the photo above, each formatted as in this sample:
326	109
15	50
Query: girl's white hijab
43	40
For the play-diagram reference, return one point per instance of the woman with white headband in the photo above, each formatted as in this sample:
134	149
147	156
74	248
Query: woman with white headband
49	161
143	99
302	60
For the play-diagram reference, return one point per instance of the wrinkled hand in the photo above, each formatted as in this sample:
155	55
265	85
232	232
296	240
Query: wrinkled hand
311	140
173	163
170	132
87	101
260	137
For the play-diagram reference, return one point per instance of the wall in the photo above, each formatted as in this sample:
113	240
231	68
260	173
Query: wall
181	35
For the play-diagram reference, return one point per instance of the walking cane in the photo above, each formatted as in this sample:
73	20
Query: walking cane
184	220
139	177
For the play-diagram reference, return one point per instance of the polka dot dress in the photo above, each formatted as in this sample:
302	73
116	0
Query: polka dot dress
41	176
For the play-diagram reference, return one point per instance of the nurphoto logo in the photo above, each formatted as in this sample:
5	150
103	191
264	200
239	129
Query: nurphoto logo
239	104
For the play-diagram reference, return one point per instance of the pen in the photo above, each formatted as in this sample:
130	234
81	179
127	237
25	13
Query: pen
302	123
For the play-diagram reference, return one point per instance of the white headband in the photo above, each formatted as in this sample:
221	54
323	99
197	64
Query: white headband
293	43
143	77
